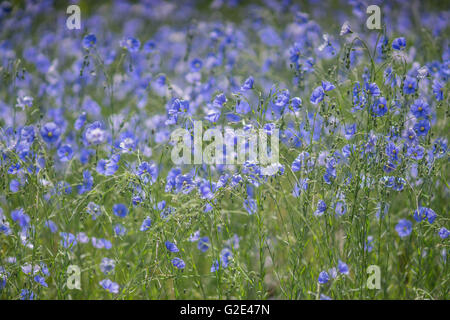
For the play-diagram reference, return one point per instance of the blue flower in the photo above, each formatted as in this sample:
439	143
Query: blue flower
296	164
282	99
296	103
110	286
4	228
108	167
88	182
392	151
131	44
302	184
178	263
248	84
136	200
62	186
422	127
404	228
409	85
369	244
398	184
195	236
317	95
350	131
44	269
146	224
68	240
330	173
30	269
323	277
231	117
225	257
343	267
120	230
340	208
107	265
219	100
127	142
101	243
24	101
399	43
415	152
380	107
331	166
243	107
321	208
14	186
148	172
196	64
295	52
149	46
327	86
213	115
94	210
26	294
205	190
50	132
40	280
215	266
82	237
65	153
269	127
439	148
51	225
89	41
79	123
333	273
203	244
444	233
420	109
120	210
438	90
95	133
410	137
250	205
184	183
171	246
425	213
372	89
21	218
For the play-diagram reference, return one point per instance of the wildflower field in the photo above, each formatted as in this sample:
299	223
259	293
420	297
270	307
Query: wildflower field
127	157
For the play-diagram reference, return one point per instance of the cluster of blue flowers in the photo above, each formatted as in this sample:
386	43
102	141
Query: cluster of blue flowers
85	140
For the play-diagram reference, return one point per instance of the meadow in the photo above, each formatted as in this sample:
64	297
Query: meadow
93	205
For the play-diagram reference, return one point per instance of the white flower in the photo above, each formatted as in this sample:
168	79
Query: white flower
95	135
345	29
